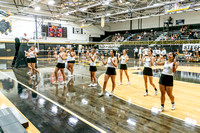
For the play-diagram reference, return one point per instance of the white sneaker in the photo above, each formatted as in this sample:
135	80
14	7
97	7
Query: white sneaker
128	83
55	82
90	85
161	109
94	85
111	93
34	76
28	73
101	94
146	94
71	75
120	83
173	107
40	75
62	83
156	92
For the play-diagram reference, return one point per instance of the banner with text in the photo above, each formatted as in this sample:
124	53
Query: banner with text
109	46
189	46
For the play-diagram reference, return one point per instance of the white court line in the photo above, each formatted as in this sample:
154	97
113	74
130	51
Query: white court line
140	105
62	107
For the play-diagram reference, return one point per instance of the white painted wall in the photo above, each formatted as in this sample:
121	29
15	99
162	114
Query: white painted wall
191	17
21	25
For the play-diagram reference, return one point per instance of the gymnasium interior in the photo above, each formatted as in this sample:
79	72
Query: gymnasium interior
48	102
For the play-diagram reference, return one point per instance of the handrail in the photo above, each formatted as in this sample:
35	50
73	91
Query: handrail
162	42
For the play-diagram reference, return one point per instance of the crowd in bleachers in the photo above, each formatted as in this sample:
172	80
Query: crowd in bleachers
185	32
143	36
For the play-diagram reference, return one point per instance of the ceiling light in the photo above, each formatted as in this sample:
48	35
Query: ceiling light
131	122
67	14
108	14
120	1
37	8
106	2
83	9
51	2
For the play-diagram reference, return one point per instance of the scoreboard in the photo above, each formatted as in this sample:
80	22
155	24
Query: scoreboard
54	31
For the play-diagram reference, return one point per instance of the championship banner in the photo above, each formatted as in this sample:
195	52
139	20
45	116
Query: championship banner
109	46
188	46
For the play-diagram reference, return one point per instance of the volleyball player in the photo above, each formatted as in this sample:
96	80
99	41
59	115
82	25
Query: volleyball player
166	79
111	72
60	65
163	52
33	56
123	66
27	55
92	56
136	52
148	61
158	51
140	53
145	50
70	60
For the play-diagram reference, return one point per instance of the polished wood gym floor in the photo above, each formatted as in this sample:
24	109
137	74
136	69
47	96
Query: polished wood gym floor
5	102
187	95
111	114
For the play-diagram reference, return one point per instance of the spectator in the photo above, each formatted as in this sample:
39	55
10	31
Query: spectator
190	35
145	33
127	34
195	35
136	52
139	38
172	37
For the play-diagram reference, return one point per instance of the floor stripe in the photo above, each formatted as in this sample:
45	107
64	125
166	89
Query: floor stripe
62	107
139	105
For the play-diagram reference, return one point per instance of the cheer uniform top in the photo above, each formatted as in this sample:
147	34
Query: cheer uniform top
111	69
147	67
70	59
167	74
60	61
123	64
93	67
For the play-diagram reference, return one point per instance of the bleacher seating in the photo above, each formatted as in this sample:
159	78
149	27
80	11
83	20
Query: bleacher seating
158	35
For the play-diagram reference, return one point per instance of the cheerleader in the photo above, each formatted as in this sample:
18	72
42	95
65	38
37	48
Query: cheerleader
33	56
93	67
166	79
148	61
158	53
123	66
111	72
27	55
60	65
71	60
